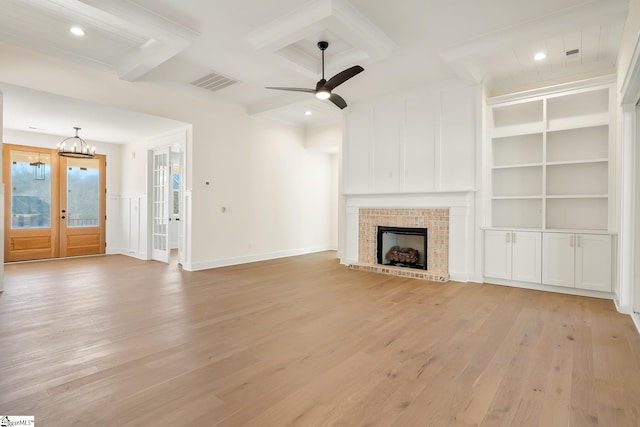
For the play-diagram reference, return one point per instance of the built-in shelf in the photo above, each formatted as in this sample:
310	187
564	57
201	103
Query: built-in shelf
578	196
550	162
577	162
515	197
525	165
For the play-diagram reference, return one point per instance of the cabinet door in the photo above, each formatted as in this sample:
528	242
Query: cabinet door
593	262
497	254
558	259
526	256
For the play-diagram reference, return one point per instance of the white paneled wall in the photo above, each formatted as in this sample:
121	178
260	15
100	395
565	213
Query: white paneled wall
419	143
133	220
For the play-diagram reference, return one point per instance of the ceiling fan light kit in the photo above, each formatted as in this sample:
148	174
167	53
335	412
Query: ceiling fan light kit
324	87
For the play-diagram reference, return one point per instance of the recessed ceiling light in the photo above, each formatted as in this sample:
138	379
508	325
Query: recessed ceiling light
540	56
307	113
77	31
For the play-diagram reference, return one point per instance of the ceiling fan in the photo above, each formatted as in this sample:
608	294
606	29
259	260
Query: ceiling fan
324	87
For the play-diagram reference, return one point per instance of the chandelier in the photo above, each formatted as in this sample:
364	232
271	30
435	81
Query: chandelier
76	147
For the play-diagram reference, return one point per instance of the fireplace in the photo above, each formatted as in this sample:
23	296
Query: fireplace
402	247
435	264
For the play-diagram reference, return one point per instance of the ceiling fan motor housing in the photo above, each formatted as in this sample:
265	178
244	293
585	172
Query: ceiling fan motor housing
324	88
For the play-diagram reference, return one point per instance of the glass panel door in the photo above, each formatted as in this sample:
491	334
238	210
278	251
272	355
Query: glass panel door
161	177
82	203
54	206
30	203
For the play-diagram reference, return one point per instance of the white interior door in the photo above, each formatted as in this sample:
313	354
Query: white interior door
181	217
160	193
175	200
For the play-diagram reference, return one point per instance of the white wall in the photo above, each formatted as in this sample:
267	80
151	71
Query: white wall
335	200
277	196
324	138
278	191
627	183
328	139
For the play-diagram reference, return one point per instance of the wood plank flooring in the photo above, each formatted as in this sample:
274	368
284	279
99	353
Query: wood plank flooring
304	341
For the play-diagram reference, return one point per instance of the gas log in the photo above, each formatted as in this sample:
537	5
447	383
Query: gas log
404	255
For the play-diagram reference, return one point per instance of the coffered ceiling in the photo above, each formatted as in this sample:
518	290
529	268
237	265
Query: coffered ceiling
251	44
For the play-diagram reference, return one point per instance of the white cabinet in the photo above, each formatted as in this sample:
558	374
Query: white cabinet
580	261
513	255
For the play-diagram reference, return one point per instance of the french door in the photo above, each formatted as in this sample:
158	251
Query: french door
54	206
160	190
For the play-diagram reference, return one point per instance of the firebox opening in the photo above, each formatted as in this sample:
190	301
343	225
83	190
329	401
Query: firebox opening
402	247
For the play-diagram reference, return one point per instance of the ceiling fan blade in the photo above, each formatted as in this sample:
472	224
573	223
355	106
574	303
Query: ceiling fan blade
338	100
343	76
293	89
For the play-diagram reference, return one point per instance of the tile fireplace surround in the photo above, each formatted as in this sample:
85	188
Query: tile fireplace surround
436	220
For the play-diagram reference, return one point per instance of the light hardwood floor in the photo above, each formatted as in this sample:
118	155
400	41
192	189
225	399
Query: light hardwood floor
304	341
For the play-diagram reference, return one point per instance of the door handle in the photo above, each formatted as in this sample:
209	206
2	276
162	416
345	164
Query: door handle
513	239
177	219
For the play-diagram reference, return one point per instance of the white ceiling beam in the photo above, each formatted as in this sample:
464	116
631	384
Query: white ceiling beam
157	39
338	16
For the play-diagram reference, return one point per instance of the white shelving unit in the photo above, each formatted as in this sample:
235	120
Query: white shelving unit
549	164
549	171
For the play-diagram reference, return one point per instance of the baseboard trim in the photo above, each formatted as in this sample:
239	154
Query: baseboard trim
136	255
227	262
548	288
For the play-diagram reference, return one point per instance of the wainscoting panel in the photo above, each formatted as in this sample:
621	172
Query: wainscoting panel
133	218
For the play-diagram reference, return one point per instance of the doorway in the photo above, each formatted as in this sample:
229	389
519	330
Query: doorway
166	192
54	206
